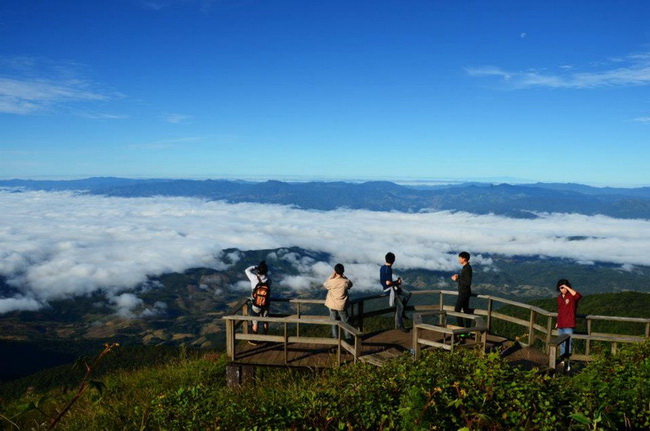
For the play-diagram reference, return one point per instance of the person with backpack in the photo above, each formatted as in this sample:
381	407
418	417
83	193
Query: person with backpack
260	293
337	286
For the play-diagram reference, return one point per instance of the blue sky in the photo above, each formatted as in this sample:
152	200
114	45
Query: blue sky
449	90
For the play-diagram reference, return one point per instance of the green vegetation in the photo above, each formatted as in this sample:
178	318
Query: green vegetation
66	376
440	391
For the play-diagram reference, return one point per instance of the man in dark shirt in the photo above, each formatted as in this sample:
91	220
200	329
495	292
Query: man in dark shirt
400	297
464	280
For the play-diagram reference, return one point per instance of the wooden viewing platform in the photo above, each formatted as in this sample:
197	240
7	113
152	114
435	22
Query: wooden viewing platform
298	339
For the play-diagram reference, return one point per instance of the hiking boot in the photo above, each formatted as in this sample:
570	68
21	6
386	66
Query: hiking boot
403	329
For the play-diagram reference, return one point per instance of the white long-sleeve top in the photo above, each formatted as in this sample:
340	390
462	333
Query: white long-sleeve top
252	276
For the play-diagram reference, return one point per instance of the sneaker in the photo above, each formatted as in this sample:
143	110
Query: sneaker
403	329
253	343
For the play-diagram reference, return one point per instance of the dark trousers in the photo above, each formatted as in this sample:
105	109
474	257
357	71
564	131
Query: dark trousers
402	297
462	303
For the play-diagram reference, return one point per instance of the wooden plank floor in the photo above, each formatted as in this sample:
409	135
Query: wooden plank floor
376	346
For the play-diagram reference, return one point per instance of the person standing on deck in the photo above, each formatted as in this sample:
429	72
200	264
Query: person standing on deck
398	296
337	286
260	293
464	280
567	306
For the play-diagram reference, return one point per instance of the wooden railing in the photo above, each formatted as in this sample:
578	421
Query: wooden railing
446	337
285	337
539	324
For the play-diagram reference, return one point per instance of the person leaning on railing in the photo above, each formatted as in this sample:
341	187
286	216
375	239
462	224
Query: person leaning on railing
337	286
258	275
398	296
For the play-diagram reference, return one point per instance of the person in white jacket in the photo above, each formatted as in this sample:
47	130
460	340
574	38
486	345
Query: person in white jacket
259	275
337	297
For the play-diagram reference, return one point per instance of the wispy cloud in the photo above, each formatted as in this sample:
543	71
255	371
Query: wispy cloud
165	144
103	116
633	71
202	5
31	85
642	119
177	118
62	244
20	96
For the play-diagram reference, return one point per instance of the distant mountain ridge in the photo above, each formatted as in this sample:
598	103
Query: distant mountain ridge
519	201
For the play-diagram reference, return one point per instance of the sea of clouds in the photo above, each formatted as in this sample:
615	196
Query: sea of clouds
57	245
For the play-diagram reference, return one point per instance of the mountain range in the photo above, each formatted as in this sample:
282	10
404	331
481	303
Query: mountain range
517	201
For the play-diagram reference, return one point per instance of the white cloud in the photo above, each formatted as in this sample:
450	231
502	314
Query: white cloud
25	96
166	144
103	116
61	244
19	304
125	304
159	308
634	70
642	119
29	85
177	118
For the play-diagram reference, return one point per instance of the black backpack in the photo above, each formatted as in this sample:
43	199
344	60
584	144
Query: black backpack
261	294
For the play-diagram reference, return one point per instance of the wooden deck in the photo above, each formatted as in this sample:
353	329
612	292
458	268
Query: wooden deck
376	347
299	333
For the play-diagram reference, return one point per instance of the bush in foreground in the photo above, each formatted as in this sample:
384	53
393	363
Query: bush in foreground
441	391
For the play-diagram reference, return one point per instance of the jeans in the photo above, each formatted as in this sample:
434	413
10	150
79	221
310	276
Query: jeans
343	316
569	332
462	303
402	297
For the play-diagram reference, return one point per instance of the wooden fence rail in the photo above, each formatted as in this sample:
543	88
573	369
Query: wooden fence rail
428	301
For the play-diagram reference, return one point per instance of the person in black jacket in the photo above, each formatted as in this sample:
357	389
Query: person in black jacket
464	280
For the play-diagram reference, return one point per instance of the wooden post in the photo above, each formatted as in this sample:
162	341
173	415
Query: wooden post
614	346
298	310
552	356
416	346
647	330
588	343
244	312
531	328
442	301
239	375
549	330
484	340
286	344
338	348
357	347
229	339
360	322
489	314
